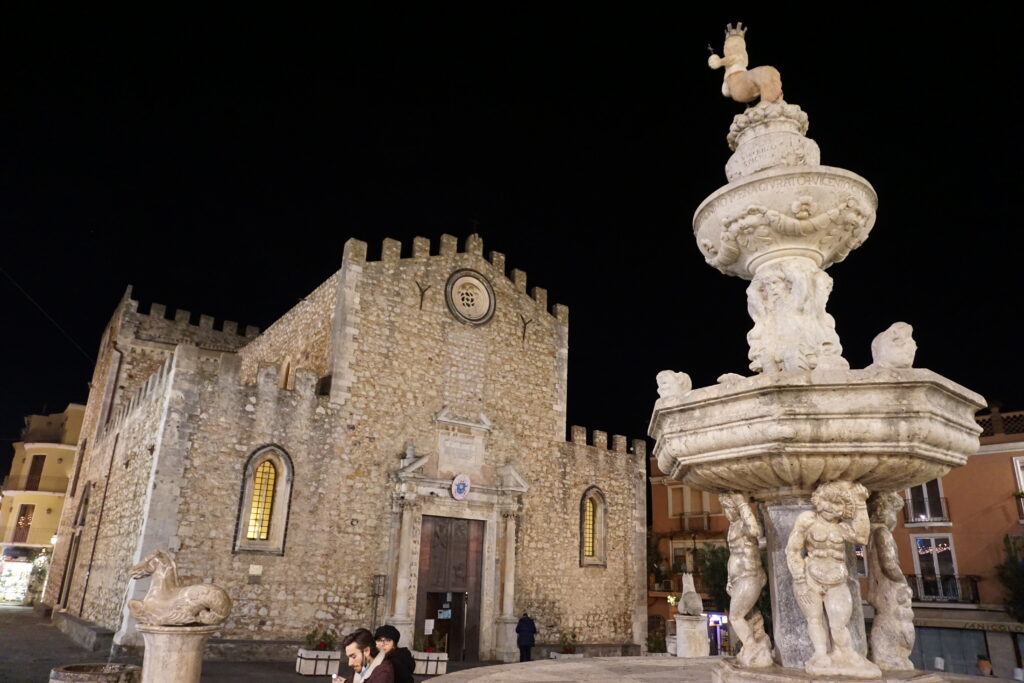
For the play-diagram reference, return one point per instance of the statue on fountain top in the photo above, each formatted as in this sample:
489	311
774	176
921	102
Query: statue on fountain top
168	603
739	83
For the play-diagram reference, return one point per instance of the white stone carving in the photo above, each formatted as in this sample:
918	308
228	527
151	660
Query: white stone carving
786	300
673	385
746	579
691	602
894	348
816	556
887	430
892	632
739	83
767	135
168	603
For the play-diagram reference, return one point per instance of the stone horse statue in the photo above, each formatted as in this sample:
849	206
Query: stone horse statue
741	84
170	604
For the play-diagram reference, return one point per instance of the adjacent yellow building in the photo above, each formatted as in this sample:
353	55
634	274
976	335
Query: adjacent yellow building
31	499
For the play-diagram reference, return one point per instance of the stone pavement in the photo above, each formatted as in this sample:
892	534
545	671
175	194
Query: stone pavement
30	646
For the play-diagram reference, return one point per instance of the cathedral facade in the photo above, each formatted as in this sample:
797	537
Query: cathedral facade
391	450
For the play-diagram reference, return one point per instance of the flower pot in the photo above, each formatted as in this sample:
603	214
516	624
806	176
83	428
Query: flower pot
317	662
430	663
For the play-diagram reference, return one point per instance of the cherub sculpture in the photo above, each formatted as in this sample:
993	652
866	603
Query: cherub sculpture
170	604
816	557
892	632
739	83
746	579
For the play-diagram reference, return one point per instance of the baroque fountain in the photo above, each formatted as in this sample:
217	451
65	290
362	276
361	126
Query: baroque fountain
816	447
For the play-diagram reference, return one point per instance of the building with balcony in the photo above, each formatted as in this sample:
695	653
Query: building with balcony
33	496
683	520
951	538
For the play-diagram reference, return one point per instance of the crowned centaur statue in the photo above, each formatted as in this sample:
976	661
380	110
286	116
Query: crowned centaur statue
740	83
168	603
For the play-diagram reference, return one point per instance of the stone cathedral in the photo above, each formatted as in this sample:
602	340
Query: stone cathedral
391	450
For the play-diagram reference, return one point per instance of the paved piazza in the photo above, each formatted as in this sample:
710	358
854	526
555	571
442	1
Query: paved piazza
594	669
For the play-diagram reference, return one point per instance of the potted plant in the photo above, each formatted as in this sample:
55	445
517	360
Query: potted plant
318	658
567	642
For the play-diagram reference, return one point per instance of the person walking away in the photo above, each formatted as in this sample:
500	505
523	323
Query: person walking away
401	659
526	630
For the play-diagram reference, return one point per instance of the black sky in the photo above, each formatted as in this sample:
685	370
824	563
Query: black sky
219	164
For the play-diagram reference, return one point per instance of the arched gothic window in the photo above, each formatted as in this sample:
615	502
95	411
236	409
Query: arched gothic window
265	499
593	528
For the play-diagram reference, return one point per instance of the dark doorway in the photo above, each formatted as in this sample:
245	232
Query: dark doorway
448	595
35	473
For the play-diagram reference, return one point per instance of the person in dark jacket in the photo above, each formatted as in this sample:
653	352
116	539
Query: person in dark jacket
401	659
526	630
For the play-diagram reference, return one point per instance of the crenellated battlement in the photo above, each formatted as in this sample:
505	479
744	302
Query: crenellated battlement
447	246
599	439
187	326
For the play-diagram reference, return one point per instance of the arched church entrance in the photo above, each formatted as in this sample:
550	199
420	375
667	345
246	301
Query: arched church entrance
449	586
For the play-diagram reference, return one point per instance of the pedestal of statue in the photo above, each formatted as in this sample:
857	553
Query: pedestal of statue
692	636
174	654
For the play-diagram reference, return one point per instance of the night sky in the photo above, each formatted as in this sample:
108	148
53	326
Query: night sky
218	164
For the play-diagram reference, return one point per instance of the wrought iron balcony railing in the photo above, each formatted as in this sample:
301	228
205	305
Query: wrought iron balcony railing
951	588
28	482
916	511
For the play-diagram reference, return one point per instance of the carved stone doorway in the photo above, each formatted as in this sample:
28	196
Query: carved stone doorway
449	586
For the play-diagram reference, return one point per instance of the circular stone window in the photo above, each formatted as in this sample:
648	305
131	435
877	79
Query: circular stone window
470	297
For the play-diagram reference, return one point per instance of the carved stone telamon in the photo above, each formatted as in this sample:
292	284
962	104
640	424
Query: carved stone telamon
746	579
892	632
168	603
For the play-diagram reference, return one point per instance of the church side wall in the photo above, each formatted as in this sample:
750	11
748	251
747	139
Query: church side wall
118	475
302	335
338	520
597	604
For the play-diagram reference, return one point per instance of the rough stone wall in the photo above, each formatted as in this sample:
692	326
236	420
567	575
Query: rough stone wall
598	604
134	346
302	336
412	358
154	326
336	520
118	471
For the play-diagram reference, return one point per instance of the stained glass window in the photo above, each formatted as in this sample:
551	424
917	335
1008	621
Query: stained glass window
262	501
